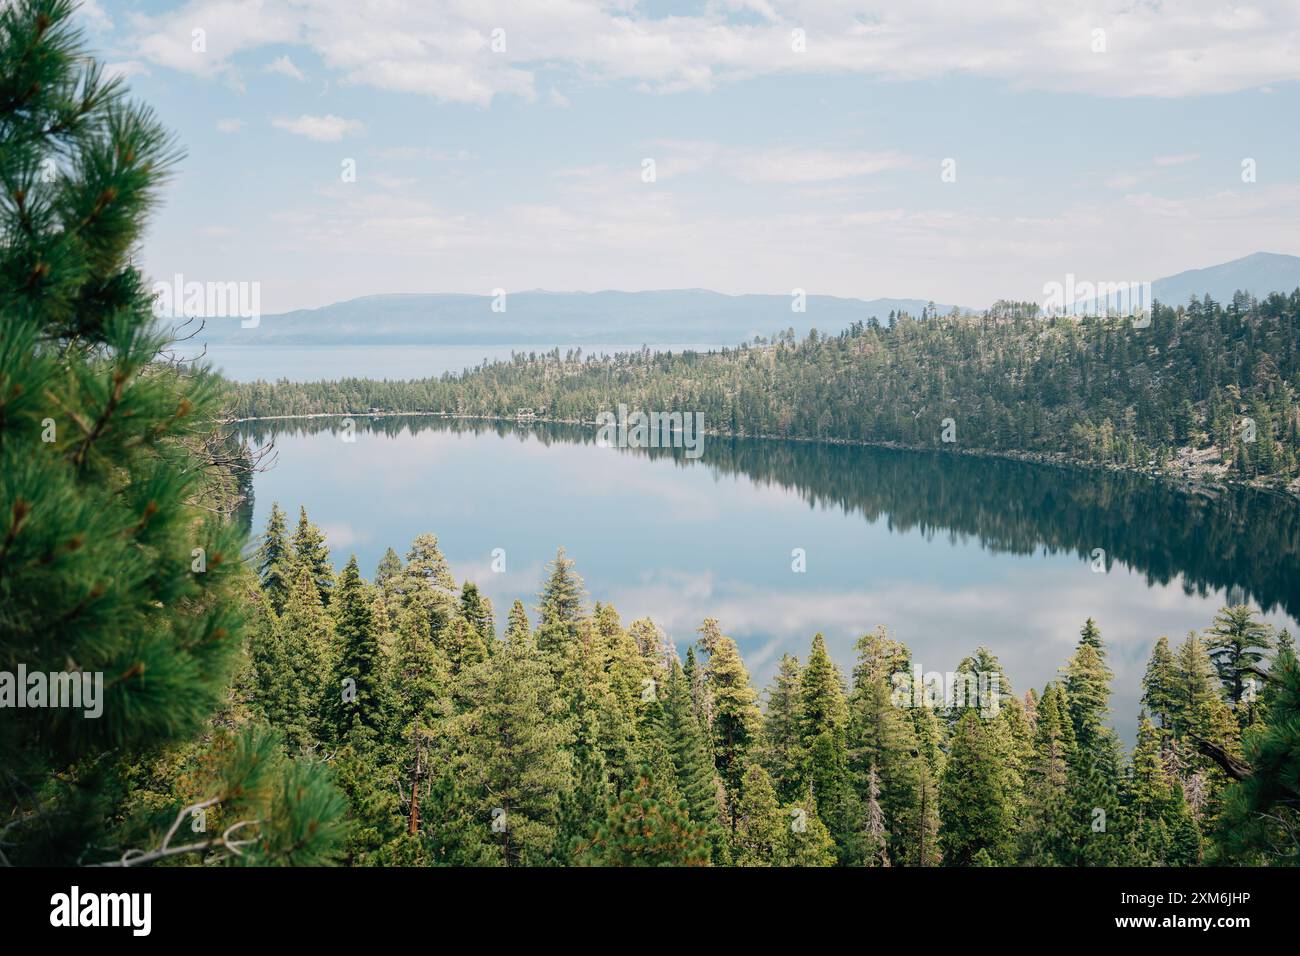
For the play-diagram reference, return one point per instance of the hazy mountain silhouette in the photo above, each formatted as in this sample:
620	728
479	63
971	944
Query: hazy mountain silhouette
675	316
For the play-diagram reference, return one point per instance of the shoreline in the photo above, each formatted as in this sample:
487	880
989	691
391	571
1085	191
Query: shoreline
1185	484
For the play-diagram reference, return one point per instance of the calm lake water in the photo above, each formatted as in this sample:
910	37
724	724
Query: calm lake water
949	552
310	363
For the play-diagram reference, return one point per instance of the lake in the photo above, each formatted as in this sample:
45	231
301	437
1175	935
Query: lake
947	551
310	363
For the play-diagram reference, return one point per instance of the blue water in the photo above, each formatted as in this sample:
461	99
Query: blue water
948	553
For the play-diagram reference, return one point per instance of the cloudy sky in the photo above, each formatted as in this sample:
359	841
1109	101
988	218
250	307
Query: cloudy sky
795	143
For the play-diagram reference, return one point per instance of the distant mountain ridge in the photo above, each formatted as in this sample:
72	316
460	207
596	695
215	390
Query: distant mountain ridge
666	317
537	317
1259	274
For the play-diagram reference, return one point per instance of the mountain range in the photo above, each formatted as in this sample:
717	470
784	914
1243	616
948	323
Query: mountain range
678	316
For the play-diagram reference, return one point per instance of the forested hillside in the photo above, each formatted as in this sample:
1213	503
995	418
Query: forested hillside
573	738
120	566
1205	390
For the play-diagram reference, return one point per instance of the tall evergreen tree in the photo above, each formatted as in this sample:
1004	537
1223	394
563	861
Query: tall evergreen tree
737	721
389	571
688	747
1095	763
426	584
517	627
476	609
782	751
876	838
118	555
882	738
1261	813
759	838
1159	684
560	605
1049	831
1237	643
418	705
354	697
975	807
513	752
311	552
274	559
823	731
296	671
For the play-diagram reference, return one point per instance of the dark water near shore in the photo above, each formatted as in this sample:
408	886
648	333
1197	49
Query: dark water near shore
949	552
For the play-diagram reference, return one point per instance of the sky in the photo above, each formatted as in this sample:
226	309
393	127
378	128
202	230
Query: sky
959	152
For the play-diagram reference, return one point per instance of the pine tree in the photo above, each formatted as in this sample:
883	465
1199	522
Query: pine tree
311	552
759	837
389	571
1261	813
476	609
461	644
687	745
823	712
517	627
657	651
1048	834
737	720
1237	644
1095	763
560	605
354	696
274	559
297	669
426	584
823	731
418	705
1199	709
1200	716
1159	684
513	752
117	553
973	801
630	696
877	836
882	739
923	847
645	829
782	752
807	840
1284	655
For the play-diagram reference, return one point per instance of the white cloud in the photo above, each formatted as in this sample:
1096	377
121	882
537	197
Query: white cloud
324	129
229	125
605	229
285	67
442	48
93	15
421	152
126	69
1178	160
808	165
776	164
